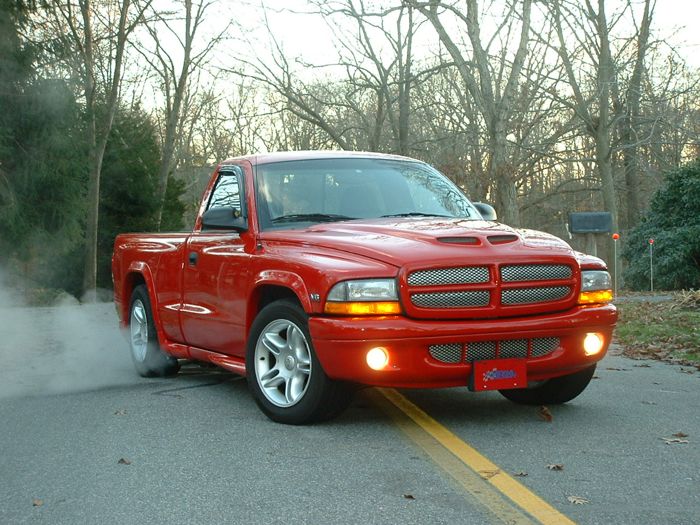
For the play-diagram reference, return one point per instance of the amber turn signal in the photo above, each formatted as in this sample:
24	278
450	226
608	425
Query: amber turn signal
595	297
363	308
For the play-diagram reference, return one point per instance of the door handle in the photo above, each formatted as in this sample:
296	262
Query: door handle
193	258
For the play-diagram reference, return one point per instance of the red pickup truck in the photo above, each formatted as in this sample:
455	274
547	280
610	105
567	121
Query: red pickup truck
313	273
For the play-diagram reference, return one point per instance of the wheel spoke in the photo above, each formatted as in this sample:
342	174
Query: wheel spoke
273	343
294	388
273	382
297	342
140	314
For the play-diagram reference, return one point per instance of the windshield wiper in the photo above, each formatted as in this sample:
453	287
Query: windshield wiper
310	217
416	214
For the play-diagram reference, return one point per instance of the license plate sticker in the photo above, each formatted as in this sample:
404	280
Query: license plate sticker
498	374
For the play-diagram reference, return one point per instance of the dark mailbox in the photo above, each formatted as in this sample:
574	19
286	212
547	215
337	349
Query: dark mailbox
590	222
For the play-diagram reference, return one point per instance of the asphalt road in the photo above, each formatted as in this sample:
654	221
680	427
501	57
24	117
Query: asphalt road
85	440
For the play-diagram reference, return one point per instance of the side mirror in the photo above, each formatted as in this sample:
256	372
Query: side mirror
224	218
488	213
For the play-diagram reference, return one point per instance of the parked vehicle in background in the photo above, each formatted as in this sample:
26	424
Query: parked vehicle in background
313	273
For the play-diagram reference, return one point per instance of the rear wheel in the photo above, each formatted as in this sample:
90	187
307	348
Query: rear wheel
553	391
284	375
149	360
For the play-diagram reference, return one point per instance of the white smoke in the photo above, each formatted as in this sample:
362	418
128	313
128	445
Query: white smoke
68	347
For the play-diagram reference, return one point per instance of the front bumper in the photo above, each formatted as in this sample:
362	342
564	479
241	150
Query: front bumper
341	345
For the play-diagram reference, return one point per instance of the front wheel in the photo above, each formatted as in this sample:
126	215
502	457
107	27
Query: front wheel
284	375
553	391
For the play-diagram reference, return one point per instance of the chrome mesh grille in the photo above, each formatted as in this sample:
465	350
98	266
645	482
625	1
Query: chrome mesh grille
544	345
535	272
449	353
481	350
451	299
534	295
441	276
513	348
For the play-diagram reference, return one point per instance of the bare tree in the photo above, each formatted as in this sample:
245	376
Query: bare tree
490	87
630	132
594	110
184	25
369	105
97	35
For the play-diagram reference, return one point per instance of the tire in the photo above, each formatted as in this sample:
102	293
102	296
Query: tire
146	354
284	375
553	391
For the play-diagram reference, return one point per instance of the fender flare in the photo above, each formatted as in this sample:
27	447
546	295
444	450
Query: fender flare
285	279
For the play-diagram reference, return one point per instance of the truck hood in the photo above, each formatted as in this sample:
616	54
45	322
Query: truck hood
432	241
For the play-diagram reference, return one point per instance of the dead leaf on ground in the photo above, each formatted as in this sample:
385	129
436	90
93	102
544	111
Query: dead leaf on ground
409	496
120	412
36	502
545	414
520	474
680	435
124	461
555	466
577	500
488	474
671	441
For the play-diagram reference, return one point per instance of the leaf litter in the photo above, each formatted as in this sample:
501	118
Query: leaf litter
545	414
664	330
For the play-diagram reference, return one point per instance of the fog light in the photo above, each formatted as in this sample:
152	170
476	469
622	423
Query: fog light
593	343
377	358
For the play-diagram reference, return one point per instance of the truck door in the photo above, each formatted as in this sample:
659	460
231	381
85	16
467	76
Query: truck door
215	276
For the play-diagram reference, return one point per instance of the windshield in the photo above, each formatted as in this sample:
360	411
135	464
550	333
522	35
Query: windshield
294	194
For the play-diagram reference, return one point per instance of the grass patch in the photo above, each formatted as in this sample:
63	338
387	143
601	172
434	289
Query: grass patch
667	330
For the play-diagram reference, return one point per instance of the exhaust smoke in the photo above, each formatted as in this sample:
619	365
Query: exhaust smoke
68	347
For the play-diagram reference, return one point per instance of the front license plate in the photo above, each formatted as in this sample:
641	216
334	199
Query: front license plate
498	374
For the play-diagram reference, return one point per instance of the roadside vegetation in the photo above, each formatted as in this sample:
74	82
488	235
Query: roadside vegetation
667	330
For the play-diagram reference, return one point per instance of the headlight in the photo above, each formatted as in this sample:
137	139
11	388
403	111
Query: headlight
596	287
364	297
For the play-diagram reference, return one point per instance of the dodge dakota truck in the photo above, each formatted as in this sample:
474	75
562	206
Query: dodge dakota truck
315	273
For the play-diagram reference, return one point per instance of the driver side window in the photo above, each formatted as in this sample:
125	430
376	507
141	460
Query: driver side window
227	192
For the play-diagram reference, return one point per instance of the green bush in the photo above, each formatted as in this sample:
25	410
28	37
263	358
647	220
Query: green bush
673	221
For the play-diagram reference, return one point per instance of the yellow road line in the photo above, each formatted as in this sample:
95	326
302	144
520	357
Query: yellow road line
479	464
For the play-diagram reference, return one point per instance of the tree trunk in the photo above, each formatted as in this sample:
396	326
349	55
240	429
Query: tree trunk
98	134
630	137
173	116
501	172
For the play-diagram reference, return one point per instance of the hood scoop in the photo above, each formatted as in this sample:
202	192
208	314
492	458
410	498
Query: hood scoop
470	241
502	239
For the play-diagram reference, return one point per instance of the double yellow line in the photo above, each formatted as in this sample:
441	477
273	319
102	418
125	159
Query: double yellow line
504	497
